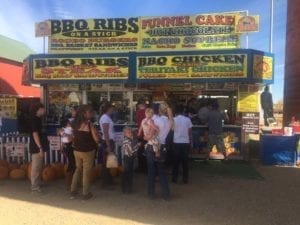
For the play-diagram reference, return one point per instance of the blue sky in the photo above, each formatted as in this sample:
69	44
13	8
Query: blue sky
17	19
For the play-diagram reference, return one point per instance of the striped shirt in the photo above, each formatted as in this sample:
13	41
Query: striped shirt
129	147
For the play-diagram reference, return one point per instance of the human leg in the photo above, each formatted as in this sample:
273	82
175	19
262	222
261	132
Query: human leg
185	162
151	171
87	165
78	172
164	184
37	164
176	162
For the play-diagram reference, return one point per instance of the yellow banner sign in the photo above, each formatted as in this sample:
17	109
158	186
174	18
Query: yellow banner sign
192	66
94	35
247	102
205	31
86	68
262	67
8	108
245	24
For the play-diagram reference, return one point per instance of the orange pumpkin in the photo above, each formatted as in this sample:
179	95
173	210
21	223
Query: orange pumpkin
4	163
13	166
59	170
24	167
48	174
17	174
3	172
93	175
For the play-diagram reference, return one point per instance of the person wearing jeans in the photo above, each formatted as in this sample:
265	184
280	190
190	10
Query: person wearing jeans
85	143
37	145
181	157
182	144
155	165
107	129
129	150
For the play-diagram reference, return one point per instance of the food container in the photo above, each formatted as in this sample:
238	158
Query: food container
288	131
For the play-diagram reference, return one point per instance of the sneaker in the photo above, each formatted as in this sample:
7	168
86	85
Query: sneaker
87	196
36	191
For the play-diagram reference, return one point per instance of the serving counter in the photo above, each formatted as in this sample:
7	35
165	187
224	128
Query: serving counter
232	139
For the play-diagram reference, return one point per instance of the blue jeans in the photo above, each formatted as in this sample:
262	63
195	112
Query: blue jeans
159	167
127	178
181	157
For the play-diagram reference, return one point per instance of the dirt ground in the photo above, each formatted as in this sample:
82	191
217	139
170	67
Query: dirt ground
204	201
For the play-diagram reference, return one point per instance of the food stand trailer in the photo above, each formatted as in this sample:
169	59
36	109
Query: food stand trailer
178	58
124	78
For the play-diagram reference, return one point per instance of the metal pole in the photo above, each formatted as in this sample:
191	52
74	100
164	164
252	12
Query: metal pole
271	26
247	35
44	44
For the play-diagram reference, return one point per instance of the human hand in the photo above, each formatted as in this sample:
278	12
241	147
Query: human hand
41	153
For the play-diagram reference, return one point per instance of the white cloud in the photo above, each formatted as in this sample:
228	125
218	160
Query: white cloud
59	10
17	22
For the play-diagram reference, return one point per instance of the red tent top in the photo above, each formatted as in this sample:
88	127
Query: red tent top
11	80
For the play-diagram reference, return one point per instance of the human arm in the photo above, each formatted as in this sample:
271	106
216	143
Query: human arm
105	127
190	136
170	117
94	133
140	130
38	142
190	126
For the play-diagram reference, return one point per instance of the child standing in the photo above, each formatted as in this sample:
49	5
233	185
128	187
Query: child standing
150	132
129	148
66	139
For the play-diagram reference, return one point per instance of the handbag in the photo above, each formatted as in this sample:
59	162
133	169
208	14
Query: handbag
111	161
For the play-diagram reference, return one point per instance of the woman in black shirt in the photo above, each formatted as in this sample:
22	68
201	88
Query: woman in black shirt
85	144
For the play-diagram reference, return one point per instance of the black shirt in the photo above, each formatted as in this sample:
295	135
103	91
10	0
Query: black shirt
83	141
36	126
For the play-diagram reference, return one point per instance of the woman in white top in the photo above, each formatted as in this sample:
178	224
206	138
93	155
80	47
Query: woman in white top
107	128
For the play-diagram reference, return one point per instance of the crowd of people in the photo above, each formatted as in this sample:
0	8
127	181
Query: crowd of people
163	141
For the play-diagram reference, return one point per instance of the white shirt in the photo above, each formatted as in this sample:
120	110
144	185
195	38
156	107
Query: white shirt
155	117
164	125
182	124
106	119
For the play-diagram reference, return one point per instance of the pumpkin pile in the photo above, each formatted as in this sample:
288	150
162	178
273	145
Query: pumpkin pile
11	170
49	173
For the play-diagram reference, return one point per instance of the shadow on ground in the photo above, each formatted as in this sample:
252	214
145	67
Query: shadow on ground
206	200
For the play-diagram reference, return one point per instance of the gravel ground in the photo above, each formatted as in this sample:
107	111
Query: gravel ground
204	201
